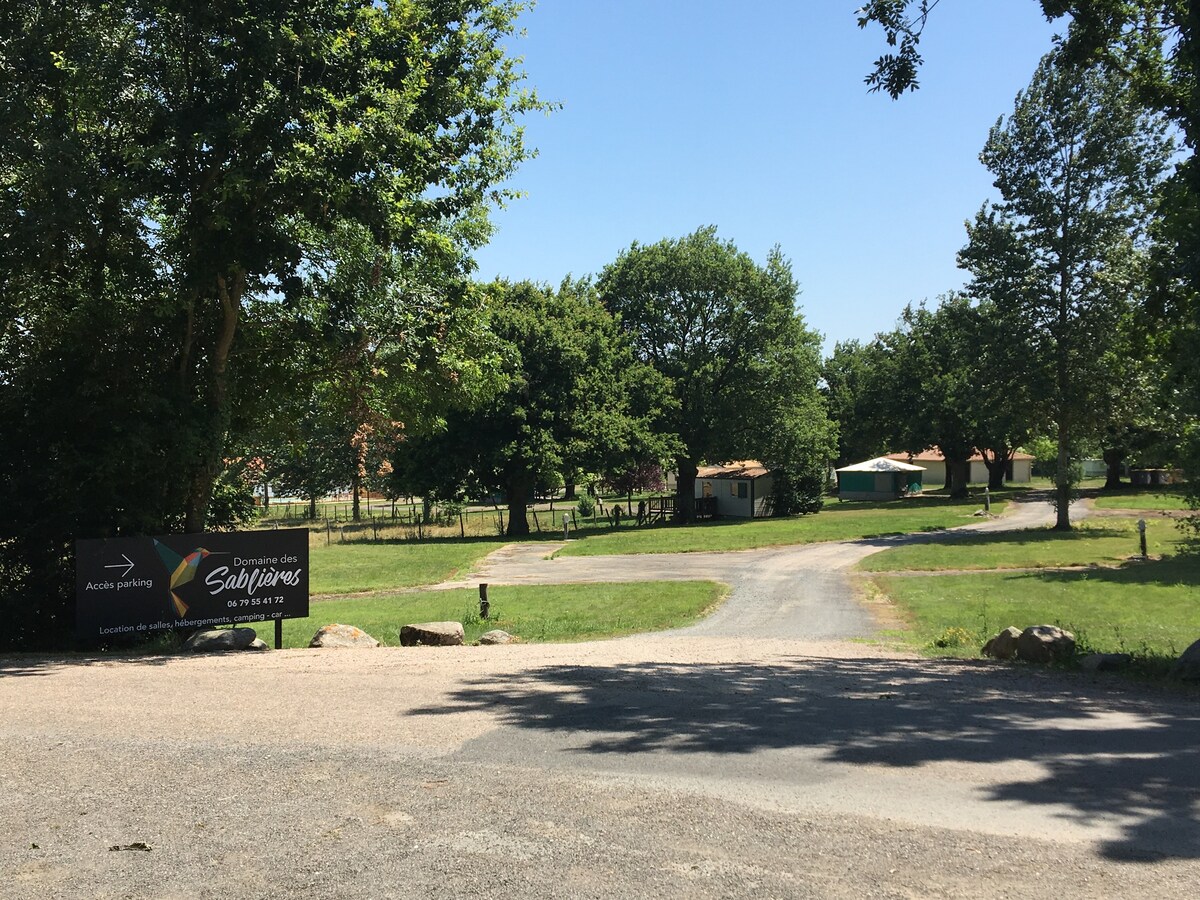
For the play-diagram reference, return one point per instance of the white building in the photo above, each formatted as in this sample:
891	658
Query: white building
741	489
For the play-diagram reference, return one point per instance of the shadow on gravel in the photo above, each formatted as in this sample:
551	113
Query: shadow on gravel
1105	754
37	664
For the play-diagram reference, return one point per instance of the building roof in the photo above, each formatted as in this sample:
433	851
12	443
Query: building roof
882	464
747	468
933	454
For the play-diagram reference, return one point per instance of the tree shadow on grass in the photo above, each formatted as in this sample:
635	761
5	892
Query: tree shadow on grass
1182	569
1106	756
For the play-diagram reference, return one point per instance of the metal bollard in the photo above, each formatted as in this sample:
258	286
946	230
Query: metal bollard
1142	536
483	602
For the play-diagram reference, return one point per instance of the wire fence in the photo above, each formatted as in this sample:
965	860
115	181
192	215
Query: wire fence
335	521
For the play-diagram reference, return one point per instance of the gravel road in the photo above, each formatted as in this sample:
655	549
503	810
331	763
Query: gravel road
717	761
797	592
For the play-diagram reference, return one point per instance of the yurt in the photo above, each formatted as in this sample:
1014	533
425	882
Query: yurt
879	479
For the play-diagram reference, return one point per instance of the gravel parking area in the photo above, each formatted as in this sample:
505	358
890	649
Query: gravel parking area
780	754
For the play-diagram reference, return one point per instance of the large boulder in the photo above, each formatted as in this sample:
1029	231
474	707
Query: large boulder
1003	645
220	640
434	634
495	636
336	635
1045	644
1187	666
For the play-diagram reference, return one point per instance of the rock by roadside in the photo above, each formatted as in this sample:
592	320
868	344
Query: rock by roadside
336	635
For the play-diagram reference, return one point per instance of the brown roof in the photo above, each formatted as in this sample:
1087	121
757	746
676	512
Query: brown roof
748	468
933	454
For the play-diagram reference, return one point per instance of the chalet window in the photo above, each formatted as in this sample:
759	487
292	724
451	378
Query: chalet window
742	490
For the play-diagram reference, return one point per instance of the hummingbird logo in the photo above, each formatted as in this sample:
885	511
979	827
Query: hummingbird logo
183	569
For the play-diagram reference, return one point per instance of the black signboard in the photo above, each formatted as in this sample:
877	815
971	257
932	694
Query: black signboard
147	584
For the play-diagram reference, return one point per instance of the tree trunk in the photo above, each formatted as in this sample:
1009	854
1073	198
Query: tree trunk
997	466
518	505
996	476
685	489
958	474
569	491
355	486
229	294
195	517
312	507
426	510
1113	457
1062	482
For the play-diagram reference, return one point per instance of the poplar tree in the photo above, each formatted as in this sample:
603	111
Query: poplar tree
1061	254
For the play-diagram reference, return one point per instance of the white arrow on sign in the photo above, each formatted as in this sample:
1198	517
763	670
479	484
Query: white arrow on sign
128	565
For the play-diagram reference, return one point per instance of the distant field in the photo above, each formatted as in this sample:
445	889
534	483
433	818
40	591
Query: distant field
1171	498
836	522
1108	541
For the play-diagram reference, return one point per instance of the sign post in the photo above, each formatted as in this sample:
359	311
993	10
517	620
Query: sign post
152	584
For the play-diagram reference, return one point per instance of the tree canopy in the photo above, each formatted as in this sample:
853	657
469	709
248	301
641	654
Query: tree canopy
1077	165
737	355
1155	45
571	398
180	182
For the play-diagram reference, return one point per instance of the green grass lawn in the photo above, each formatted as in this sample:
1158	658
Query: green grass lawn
1170	498
1100	542
534	613
1149	608
836	522
349	568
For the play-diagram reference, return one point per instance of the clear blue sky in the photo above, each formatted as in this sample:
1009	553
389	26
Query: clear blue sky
753	117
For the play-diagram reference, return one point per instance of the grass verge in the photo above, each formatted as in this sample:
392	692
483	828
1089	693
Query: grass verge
1149	608
350	568
533	613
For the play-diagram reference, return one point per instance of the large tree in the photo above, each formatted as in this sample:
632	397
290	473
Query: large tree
1077	165
1156	45
954	376
1007	386
172	175
571	398
924	389
727	335
850	381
